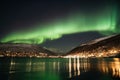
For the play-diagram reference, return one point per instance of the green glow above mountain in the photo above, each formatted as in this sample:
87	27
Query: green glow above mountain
104	23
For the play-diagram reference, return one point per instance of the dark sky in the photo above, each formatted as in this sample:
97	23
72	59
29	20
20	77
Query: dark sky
22	15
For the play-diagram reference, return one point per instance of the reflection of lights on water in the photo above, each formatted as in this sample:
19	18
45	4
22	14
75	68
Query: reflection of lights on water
116	59
78	66
107	67
12	66
58	66
70	73
28	66
54	65
38	66
12	63
74	66
116	67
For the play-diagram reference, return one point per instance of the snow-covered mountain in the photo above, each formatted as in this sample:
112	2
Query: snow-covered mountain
106	46
26	49
98	40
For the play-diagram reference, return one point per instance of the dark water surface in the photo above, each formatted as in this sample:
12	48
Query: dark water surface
59	69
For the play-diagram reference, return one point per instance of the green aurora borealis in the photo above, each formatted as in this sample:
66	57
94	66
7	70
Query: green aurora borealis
104	22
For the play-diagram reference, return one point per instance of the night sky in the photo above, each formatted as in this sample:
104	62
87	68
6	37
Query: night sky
58	24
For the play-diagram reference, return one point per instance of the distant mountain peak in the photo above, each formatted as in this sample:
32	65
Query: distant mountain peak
98	40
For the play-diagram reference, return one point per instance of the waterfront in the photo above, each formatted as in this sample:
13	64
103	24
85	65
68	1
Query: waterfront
59	68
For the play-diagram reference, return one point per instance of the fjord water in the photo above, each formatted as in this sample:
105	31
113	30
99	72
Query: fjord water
59	69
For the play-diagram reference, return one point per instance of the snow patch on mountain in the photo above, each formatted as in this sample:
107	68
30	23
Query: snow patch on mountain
98	40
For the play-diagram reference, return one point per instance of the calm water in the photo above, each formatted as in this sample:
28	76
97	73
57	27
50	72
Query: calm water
59	69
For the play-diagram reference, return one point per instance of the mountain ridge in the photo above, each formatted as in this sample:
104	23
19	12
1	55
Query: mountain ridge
102	46
26	49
